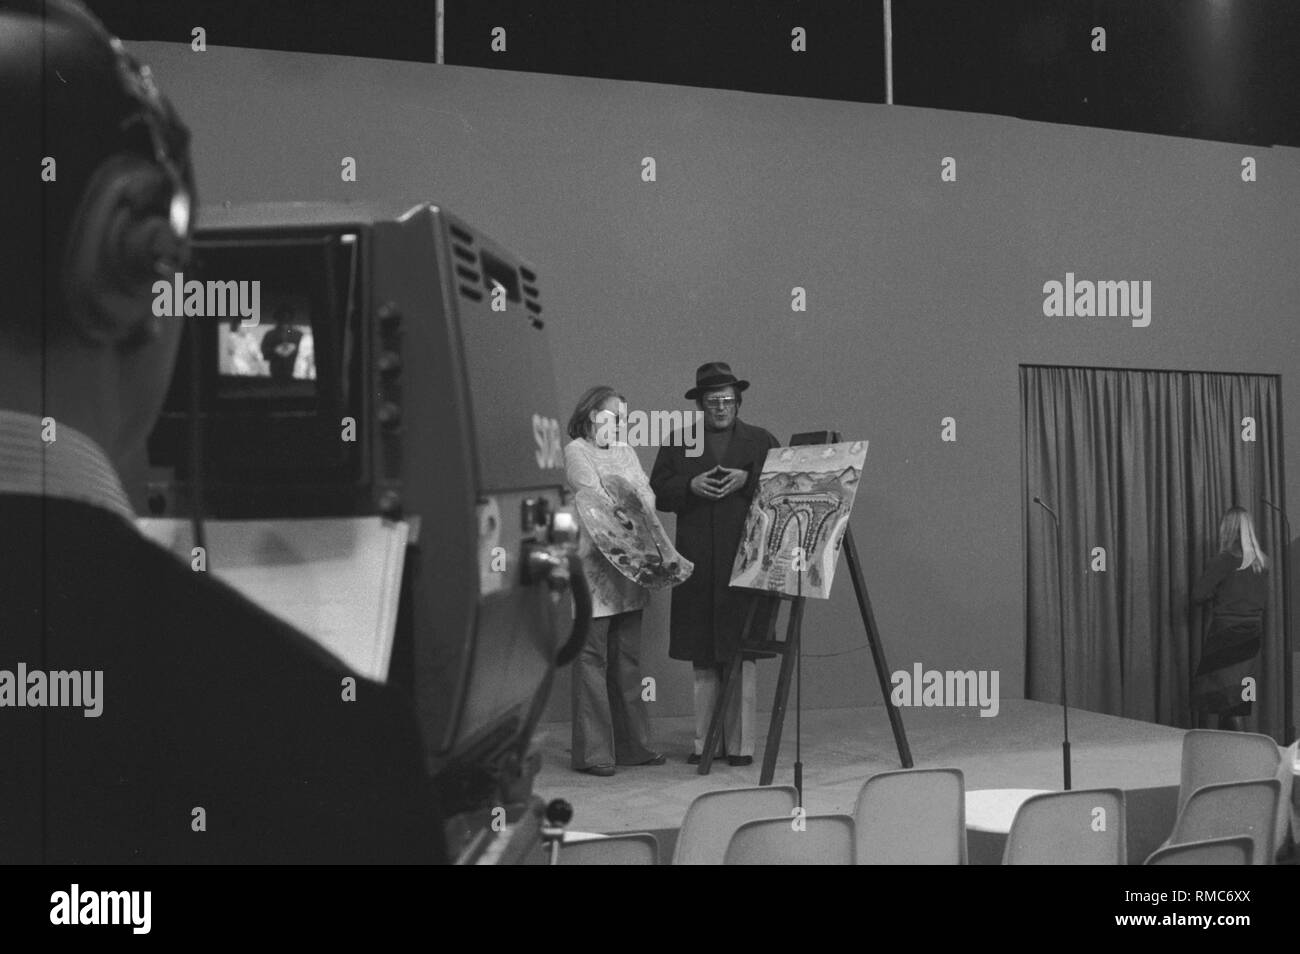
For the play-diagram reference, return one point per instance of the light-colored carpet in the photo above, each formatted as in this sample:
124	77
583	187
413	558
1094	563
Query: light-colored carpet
1020	747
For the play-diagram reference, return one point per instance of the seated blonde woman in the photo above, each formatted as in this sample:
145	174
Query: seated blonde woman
1237	582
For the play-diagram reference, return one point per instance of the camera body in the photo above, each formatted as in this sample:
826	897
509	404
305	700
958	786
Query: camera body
398	367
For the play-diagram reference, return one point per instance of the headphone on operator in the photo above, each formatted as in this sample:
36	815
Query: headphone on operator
148	171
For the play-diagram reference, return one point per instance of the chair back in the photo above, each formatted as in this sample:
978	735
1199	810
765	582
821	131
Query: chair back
819	840
639	848
912	817
1232	808
714	817
1238	850
1211	756
1288	821
1085	827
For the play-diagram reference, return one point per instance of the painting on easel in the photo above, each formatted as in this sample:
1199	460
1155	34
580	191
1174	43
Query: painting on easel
798	517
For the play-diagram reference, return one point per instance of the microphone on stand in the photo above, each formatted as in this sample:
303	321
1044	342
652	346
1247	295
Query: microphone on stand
1289	714
1060	591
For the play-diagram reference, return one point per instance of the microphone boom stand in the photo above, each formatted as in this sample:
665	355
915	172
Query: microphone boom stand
1060	601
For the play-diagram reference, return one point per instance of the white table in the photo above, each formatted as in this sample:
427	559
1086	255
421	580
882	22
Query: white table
989	814
994	809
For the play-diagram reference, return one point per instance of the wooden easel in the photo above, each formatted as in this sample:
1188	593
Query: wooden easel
789	651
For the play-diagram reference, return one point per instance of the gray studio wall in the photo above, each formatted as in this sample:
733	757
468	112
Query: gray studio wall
924	296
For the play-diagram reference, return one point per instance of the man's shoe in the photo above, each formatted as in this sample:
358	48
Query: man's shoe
695	758
604	771
740	760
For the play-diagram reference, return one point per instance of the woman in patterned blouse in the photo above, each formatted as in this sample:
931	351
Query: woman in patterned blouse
610	723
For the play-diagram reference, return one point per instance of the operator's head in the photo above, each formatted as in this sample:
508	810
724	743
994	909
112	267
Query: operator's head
97	189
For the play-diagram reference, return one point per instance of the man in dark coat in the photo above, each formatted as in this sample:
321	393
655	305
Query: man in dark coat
711	493
280	346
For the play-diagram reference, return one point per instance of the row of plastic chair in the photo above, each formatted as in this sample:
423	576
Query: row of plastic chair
916	816
1234	808
1052	828
813	840
1213	758
1224	823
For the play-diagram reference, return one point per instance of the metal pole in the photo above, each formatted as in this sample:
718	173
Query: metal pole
1060	605
440	19
1288	649
1065	704
889	52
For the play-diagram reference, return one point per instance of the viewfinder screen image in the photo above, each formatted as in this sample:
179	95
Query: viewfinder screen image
280	349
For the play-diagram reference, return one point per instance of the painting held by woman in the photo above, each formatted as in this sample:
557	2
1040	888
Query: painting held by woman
630	535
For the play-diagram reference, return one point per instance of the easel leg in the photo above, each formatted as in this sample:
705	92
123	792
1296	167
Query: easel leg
877	649
789	651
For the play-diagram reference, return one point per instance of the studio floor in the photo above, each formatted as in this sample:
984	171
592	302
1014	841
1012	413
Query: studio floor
841	748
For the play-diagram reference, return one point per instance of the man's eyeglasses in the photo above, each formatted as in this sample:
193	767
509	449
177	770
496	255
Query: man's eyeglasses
720	403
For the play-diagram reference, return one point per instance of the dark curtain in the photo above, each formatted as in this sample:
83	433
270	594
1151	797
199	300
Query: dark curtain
1142	464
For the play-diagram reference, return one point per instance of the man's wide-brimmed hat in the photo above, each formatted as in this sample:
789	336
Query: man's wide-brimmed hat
715	374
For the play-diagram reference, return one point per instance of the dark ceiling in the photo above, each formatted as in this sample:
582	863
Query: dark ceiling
1209	69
